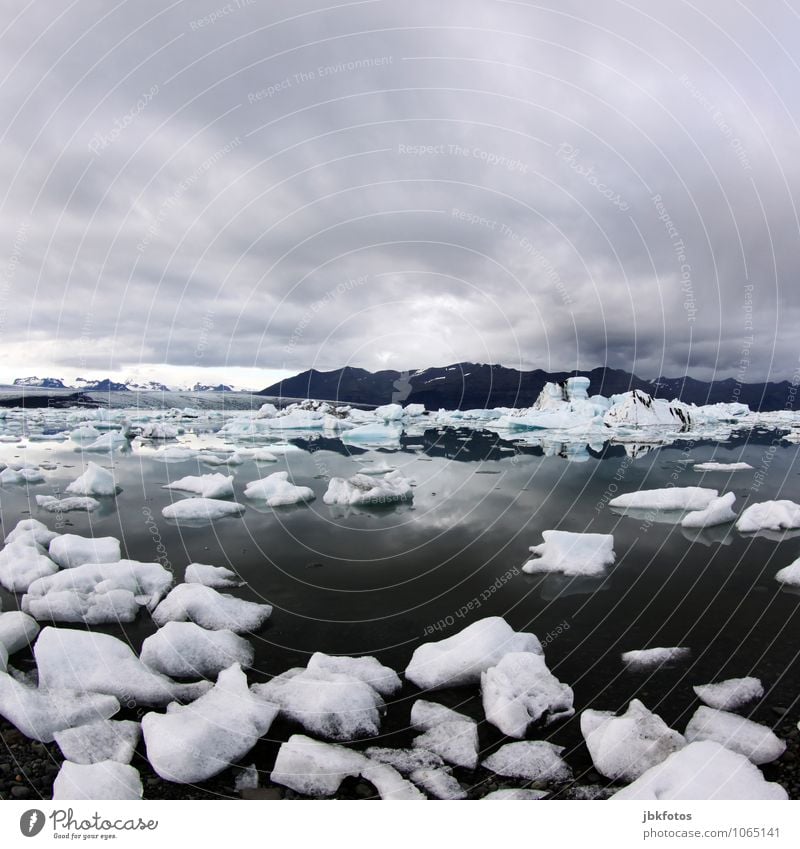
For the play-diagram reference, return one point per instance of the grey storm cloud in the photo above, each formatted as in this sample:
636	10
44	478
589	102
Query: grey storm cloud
382	184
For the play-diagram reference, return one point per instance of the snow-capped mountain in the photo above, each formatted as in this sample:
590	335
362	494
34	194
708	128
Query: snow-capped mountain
42	382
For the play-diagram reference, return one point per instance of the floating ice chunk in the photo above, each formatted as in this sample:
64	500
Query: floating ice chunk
718	512
438	783
721	467
456	742
211	576
770	516
207	486
83	433
278	491
789	574
648	658
389	412
331	705
103	740
113	606
175	454
27	530
571	553
40	712
638	409
366	489
759	744
389	783
228	460
103	780
211	609
533	760
185	650
23	475
670	498
730	694
71	550
107	442
17	630
94	481
380	469
366	669
520	691
702	770
262	455
426	715
99	663
314	768
191	743
247	779
623	747
160	430
202	510
460	659
66	505
21	564
374	433
405	761
515	794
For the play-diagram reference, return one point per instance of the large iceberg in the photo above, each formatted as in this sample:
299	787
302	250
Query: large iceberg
22	563
94	481
718	512
211	609
366	669
770	516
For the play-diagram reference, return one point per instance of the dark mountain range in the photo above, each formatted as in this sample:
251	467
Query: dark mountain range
470	385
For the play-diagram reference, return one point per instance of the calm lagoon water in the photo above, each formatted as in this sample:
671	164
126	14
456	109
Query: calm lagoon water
379	581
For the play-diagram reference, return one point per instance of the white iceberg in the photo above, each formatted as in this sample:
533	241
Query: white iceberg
426	715
367	669
703	770
459	660
103	740
770	516
331	705
533	760
71	550
790	574
21	564
201	510
93	782
669	498
211	609
515	794
23	475
718	512
721	467
207	486
572	554
17	631
367	489
638	409
52	504
314	768
454	741
278	491
389	783
191	743
217	577
520	691
185	650
31	530
649	658
94	481
91	662
730	694
439	783
759	744
623	747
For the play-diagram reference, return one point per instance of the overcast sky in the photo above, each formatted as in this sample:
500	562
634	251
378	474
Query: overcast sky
209	190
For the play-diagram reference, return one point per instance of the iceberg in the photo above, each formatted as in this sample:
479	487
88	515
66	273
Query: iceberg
624	747
770	516
789	575
533	760
185	650
367	669
21	564
367	489
217	577
649	658
389	783
314	768
17	631
202	510
103	740
23	475
71	550
376	433
759	744
702	770
669	498
94	481
459	660
730	694
206	486
66	505
521	691
278	491
516	795
192	743
454	741
718	512
722	467
405	761
102	780
572	554
31	531
211	609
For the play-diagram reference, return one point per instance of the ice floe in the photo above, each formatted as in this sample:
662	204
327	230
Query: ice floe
389	783
718	512
730	694
211	609
721	467
460	659
439	783
208	486
572	553
94	481
454	741
278	491
218	577
71	550
31	530
103	740
96	781
623	747
759	744
790	574
185	650
21	564
201	510
521	691
17	631
650	658
53	504
669	498
532	760
191	743
702	770
770	516
21	476
366	669
369	490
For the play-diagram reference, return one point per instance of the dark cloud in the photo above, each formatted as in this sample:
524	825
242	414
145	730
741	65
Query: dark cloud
281	185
